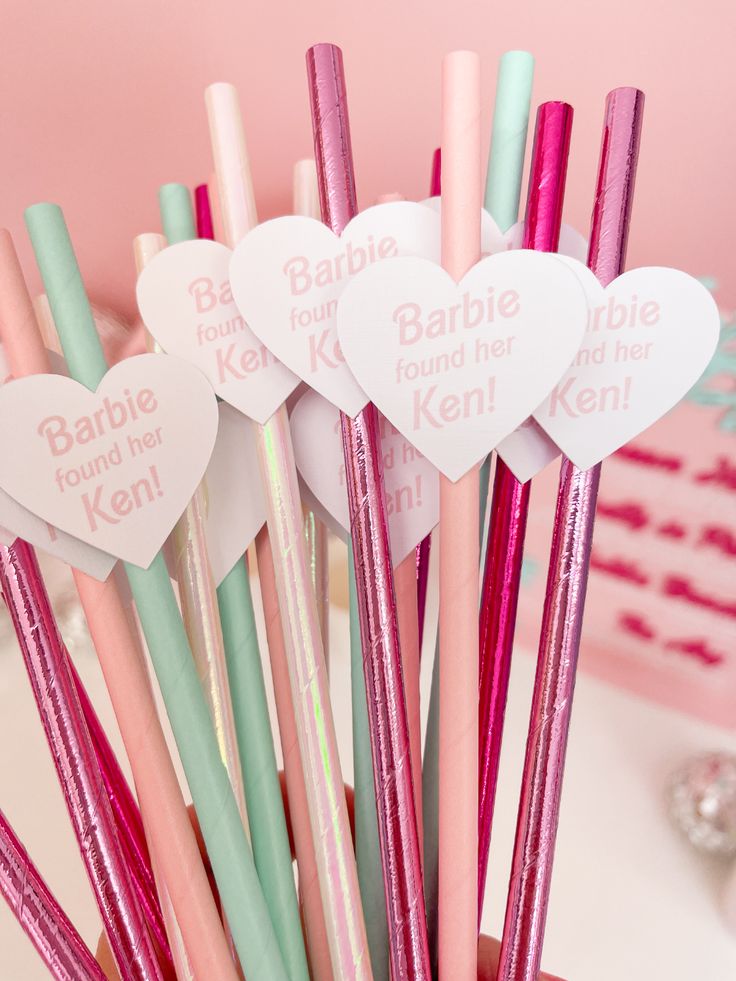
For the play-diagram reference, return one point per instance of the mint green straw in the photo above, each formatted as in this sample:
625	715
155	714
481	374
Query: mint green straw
367	844
503	191
227	846
268	834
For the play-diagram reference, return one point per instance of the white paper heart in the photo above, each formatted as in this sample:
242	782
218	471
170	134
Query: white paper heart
492	239
456	367
572	242
650	336
288	274
114	467
185	301
19	522
411	482
236	508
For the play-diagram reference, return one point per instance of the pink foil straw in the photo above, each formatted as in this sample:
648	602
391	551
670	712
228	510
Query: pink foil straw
128	823
205	225
400	853
76	763
44	922
567	580
510	501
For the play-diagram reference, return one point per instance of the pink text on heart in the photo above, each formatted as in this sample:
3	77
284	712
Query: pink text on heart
434	408
101	504
572	397
232	361
303	276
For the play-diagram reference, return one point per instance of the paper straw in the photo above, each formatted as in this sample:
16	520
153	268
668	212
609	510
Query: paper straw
75	761
510	502
459	548
269	834
503	187
306	202
169	833
45	923
296	790
367	842
300	621
387	715
217	811
536	830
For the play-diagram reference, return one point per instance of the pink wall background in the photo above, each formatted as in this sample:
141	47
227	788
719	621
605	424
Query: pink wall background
102	102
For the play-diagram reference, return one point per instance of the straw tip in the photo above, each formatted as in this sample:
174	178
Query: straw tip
518	57
461	57
43	216
323	49
173	189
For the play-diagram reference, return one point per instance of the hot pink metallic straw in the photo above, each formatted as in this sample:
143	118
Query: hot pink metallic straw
76	763
567	579
510	501
45	923
423	548
400	852
128	823
205	225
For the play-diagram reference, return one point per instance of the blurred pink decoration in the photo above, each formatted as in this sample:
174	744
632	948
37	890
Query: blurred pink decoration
661	608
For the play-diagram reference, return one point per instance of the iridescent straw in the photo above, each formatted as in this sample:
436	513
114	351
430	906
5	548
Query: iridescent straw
306	202
188	543
328	812
457	940
219	819
423	548
397	820
76	763
269	834
318	947
169	833
45	923
197	589
510	501
539	805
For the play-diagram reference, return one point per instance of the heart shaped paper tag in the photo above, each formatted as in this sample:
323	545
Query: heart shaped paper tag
114	467
411	482
651	334
236	509
287	275
456	367
185	301
493	240
19	522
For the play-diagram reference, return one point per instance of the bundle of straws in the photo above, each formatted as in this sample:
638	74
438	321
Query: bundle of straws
400	894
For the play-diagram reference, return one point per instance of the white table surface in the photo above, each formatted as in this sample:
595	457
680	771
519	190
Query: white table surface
630	900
